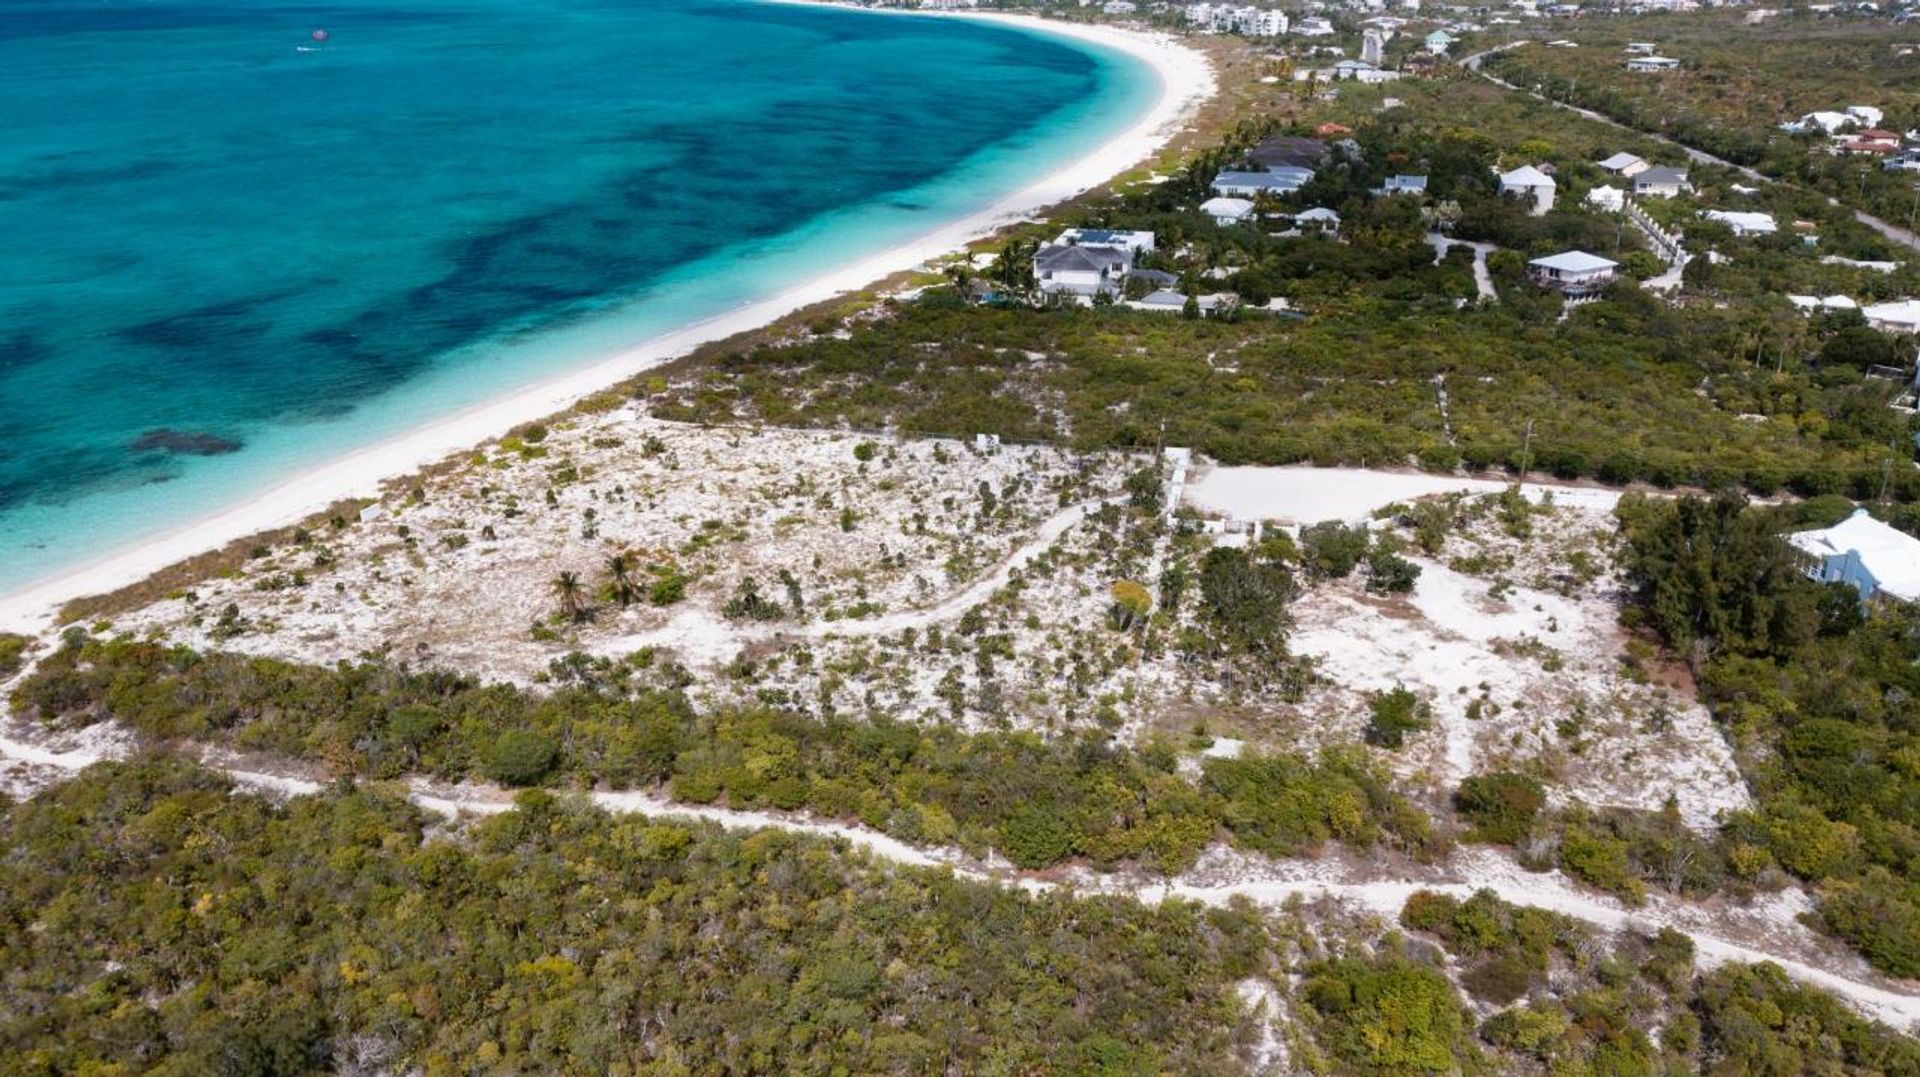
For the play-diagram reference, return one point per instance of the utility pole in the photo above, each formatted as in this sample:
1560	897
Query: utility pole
1526	451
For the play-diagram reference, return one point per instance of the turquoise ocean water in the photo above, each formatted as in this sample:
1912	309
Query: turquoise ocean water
215	223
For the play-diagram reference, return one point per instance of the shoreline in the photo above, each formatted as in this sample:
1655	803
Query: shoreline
1186	81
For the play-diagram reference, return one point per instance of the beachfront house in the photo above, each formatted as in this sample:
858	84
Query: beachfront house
1279	181
1238	19
1137	242
1624	165
1227	211
1530	183
1661	182
1081	273
1879	561
1743	223
1574	273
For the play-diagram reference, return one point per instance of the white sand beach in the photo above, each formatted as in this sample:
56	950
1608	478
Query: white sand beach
1186	81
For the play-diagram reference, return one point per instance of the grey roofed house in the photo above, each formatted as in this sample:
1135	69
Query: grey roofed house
1080	259
1624	164
1290	151
1161	299
1159	278
1278	181
1660	177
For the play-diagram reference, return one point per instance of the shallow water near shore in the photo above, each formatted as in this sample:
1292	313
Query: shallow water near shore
236	247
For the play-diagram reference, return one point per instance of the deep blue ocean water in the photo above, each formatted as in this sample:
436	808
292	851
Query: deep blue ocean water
214	224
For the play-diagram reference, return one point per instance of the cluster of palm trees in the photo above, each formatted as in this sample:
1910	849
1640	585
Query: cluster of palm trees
621	585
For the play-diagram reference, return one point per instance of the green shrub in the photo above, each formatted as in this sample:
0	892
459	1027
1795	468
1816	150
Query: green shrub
1330	549
1500	807
1393	715
520	757
1388	573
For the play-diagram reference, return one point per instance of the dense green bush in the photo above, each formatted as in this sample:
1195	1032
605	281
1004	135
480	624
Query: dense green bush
151	921
1038	800
1500	807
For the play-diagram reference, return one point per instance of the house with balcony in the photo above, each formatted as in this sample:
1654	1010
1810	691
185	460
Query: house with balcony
1574	273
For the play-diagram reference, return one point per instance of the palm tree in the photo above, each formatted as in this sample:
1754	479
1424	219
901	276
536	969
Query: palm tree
621	586
566	587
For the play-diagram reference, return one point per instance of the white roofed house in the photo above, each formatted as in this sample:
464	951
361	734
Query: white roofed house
1319	217
1137	242
1575	273
1082	272
1880	561
1361	71
1415	185
1661	182
1653	63
1900	317
1529	182
1816	304
1624	164
1611	199
1227	211
1743	223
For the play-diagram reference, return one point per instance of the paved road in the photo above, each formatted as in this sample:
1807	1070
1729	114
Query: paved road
1482	280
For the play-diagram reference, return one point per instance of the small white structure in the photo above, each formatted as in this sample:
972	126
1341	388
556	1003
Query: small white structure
1416	185
1081	272
1529	182
1314	26
1817	304
1653	63
986	443
1880	561
1900	317
1137	242
1227	211
1610	199
1575	273
1624	165
370	513
1318	217
1743	223
1661	182
1439	42
1855	263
